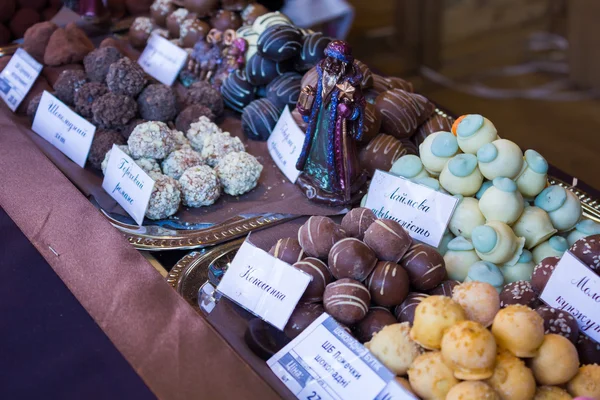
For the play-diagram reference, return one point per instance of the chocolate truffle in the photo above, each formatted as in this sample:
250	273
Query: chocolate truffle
174	21
587	250
157	102
388	240
402	112
178	161
371	123
33	105
67	84
218	145
313	48
127	129
356	222
237	91
190	115
261	70
7	10
165	197
280	42
381	153
430	377
284	90
151	140
225	19
234	5
542	272
388	284
559	322
376	319
444	289
346	300
140	31
367	75
259	119
201	7
556	362
391	343
36	38
98	61
405	312
425	266
253	11
588	349
433	316
67	46
199	185
480	301
191	31
136	7
101	144
238	173
22	20
86	95
160	9
585	383
288	250
304	314
318	235
519	292
435	123
320	278
113	110
518	329
125	77
203	128
204	94
351	258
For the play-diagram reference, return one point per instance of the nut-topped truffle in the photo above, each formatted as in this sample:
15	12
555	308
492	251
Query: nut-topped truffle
199	186
113	110
430	377
218	145
151	140
480	301
125	77
165	197
556	362
238	172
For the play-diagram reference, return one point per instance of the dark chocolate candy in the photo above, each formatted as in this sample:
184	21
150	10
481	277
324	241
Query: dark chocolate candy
435	123
347	300
377	318
518	292
425	266
587	249
356	222
202	7
399	83
225	19
559	322
405	312
263	339
259	119
261	70
237	91
234	5
444	289
402	112
318	235
253	11
301	318
285	89
351	258
588	350
313	47
388	284
542	272
192	30
367	76
320	278
371	123
382	152
280	42
288	250
388	239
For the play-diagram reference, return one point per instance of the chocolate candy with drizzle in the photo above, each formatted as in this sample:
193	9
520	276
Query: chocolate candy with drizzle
313	47
284	90
280	42
260	70
402	112
382	152
346	300
259	119
288	250
435	123
425	266
237	91
388	284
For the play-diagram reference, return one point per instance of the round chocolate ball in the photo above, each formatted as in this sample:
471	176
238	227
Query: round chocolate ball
113	110
125	77
159	10
318	235
402	112
587	250
356	222
320	278
444	289
518	292
204	94
253	11
261	71
86	95
382	152
376	319
371	123
304	314
559	322
127	129
347	300
351	258
367	76
140	31
259	119
157	102
22	20
388	284
175	19
98	61
237	91
234	5
284	90
542	272
280	42
101	144
225	19
388	239
288	250
425	266
192	30
201	7
588	350
313	48
68	83
405	312
192	114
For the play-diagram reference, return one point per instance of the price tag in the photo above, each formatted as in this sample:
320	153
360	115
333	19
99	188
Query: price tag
325	362
263	284
162	59
128	184
575	288
422	211
67	131
285	144
17	78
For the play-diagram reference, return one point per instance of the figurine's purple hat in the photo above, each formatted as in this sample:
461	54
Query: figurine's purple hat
340	50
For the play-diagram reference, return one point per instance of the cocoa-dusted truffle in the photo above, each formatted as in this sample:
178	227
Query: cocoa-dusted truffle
388	284
101	144
199	186
238	172
157	102
351	258
518	292
192	114
86	95
125	77
388	239
405	312
204	94
67	84
542	272
559	322
218	145
357	221
67	46
179	161
22	20
318	235
320	278
225	19
288	250
346	300
98	61
37	37
151	140
425	266
376	319
259	119
113	110
304	314
165	197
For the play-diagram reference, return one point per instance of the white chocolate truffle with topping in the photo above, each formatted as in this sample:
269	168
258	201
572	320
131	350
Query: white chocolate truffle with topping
180	140
470	350
148	165
557	361
468	390
585	228
534	174
238	173
502	202
433	316
473	132
512	379
461	175
534	225
459	258
394	348
521	271
151	140
430	182
553	247
199	186
496	242
165	197
562	206
436	150
551	393
500	158
409	167
200	130
218	145
586	382
180	160
480	300
104	164
519	329
467	216
430	377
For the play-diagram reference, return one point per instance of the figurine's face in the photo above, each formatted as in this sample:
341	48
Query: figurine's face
214	36
229	36
333	65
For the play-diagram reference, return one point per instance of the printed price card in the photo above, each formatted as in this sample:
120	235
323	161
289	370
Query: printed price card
263	284
285	145
422	211
575	288
128	184
17	78
162	59
326	363
67	131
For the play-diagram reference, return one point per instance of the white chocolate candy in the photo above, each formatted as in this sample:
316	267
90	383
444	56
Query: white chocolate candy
534	174
409	167
466	217
443	247
500	158
521	271
585	228
553	247
473	132
270	19
461	175
459	258
436	150
496	242
502	202
431	183
562	206
534	225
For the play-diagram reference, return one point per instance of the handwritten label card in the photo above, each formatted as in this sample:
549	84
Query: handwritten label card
128	184
263	284
575	288
325	362
162	59
17	78
285	144
422	211
67	131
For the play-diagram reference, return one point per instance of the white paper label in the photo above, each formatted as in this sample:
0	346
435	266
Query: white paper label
263	284
325	362
575	288
162	59
67	131
422	211
17	78
285	144
128	184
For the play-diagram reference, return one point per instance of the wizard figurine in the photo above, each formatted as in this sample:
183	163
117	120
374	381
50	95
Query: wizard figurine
331	173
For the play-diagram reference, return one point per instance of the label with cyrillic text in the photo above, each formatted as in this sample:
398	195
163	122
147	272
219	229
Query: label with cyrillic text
422	211
285	144
575	288
67	131
162	59
264	285
17	78
325	362
128	184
